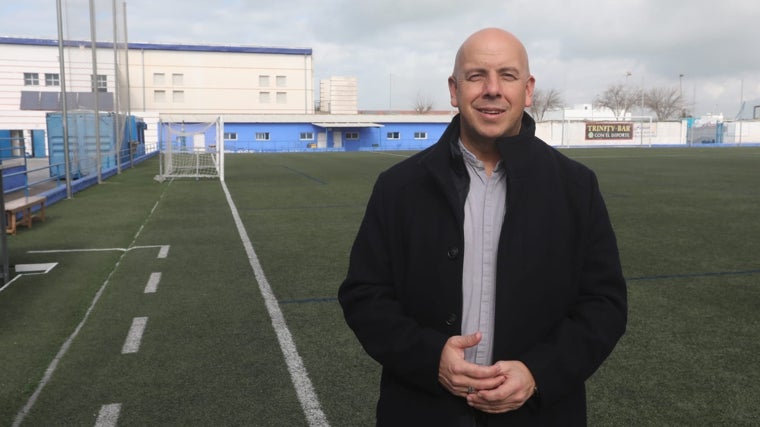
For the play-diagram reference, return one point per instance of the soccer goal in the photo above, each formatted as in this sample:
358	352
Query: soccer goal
191	150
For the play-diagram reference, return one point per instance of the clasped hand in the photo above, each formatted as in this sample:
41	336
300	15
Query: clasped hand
501	387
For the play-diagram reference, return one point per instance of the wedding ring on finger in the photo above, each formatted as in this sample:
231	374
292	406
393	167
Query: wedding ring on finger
471	390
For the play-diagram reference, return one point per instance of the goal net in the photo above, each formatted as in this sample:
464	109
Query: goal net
191	150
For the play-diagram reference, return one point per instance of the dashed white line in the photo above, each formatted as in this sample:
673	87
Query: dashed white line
152	286
24	411
108	415
163	252
134	337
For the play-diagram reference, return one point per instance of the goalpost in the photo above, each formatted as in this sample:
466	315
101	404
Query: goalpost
191	150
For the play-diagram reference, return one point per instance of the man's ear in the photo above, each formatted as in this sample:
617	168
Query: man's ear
453	91
529	91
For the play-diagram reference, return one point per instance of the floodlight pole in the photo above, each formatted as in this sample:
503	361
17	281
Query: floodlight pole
64	112
95	89
119	137
126	67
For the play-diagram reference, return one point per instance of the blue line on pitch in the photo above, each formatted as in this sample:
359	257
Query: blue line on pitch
317	180
629	279
309	300
687	275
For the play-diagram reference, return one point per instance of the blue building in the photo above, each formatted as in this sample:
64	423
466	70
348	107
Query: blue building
316	132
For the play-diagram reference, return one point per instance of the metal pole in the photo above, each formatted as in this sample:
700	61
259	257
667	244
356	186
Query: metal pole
126	44
680	94
642	95
64	112
95	90
741	109
4	242
126	50
119	137
390	91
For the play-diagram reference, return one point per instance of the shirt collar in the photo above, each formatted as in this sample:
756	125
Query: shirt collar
473	161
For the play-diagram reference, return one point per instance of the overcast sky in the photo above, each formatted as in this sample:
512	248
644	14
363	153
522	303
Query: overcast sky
403	49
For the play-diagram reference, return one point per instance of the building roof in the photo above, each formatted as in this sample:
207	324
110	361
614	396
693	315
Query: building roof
332	125
159	46
322	120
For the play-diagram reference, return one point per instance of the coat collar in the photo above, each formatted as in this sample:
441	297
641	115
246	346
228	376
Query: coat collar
516	151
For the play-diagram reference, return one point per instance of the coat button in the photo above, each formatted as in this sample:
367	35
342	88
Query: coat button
451	319
453	252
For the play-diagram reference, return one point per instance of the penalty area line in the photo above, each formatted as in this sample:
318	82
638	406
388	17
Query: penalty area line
163	250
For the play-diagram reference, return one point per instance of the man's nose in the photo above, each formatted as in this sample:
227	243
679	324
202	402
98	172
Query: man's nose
492	85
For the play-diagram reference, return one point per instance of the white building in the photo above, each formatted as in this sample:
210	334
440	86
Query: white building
163	80
339	95
180	79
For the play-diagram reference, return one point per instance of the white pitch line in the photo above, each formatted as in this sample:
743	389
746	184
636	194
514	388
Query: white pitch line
152	286
163	250
134	337
24	411
298	374
389	154
62	251
108	415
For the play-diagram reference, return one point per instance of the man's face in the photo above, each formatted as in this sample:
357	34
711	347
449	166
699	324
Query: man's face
491	87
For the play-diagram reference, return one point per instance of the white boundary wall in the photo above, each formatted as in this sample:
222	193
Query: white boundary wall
573	134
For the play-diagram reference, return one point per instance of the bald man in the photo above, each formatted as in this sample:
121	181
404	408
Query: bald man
485	276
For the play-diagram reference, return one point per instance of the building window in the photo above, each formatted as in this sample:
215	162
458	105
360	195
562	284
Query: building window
159	96
264	97
31	79
230	136
264	81
99	83
282	81
307	136
262	136
394	135
178	96
178	79
159	79
420	135
52	79
352	136
282	97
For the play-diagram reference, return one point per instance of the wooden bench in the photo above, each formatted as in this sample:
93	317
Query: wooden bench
23	206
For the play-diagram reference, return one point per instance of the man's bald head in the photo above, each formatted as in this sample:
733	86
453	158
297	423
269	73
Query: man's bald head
491	86
491	39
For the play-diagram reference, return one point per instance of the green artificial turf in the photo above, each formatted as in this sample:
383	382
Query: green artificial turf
687	226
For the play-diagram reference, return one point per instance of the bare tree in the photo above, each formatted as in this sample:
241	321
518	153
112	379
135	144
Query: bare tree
665	103
423	104
619	99
544	101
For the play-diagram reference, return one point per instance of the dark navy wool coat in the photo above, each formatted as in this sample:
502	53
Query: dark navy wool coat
560	294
